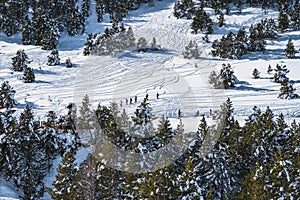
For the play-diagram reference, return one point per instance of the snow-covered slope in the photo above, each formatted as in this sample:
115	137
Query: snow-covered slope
180	83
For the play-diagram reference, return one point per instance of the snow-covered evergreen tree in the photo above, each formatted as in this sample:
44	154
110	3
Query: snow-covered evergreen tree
184	8
191	51
221	20
20	61
201	22
28	75
7	93
225	79
65	183
130	37
283	20
50	38
255	73
287	90
27	31
86	185
187	183
53	58
269	69
154	46
69	63
280	74
256	39
85	120
85	8
142	45
290	50
29	165
165	132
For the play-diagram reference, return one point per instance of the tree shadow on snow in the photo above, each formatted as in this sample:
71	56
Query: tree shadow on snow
294	81
269	54
135	53
44	82
44	72
248	88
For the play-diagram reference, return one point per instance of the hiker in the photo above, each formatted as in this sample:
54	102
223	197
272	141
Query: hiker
135	99
126	101
210	113
130	101
157	95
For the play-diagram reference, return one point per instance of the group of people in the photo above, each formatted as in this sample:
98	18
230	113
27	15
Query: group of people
132	100
129	100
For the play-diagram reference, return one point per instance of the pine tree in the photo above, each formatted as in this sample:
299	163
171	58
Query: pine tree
130	37
191	51
27	31
186	182
28	75
86	117
204	142
241	43
165	132
270	28
143	114
86	185
69	63
287	90
184	8
256	38
85	10
295	16
269	69
20	61
198	22
88	45
8	134
217	179
221	21
209	26
29	164
53	58
141	44
50	38
280	74
154	46
283	21
290	50
225	79
7	93
107	181
255	74
253	186
39	26
99	10
65	185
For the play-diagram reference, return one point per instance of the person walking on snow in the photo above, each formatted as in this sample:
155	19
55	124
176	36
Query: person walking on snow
157	95
135	99
179	114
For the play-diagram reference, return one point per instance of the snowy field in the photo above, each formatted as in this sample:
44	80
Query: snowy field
181	83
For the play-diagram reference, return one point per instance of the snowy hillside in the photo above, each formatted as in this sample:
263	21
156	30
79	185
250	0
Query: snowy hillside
180	83
131	73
